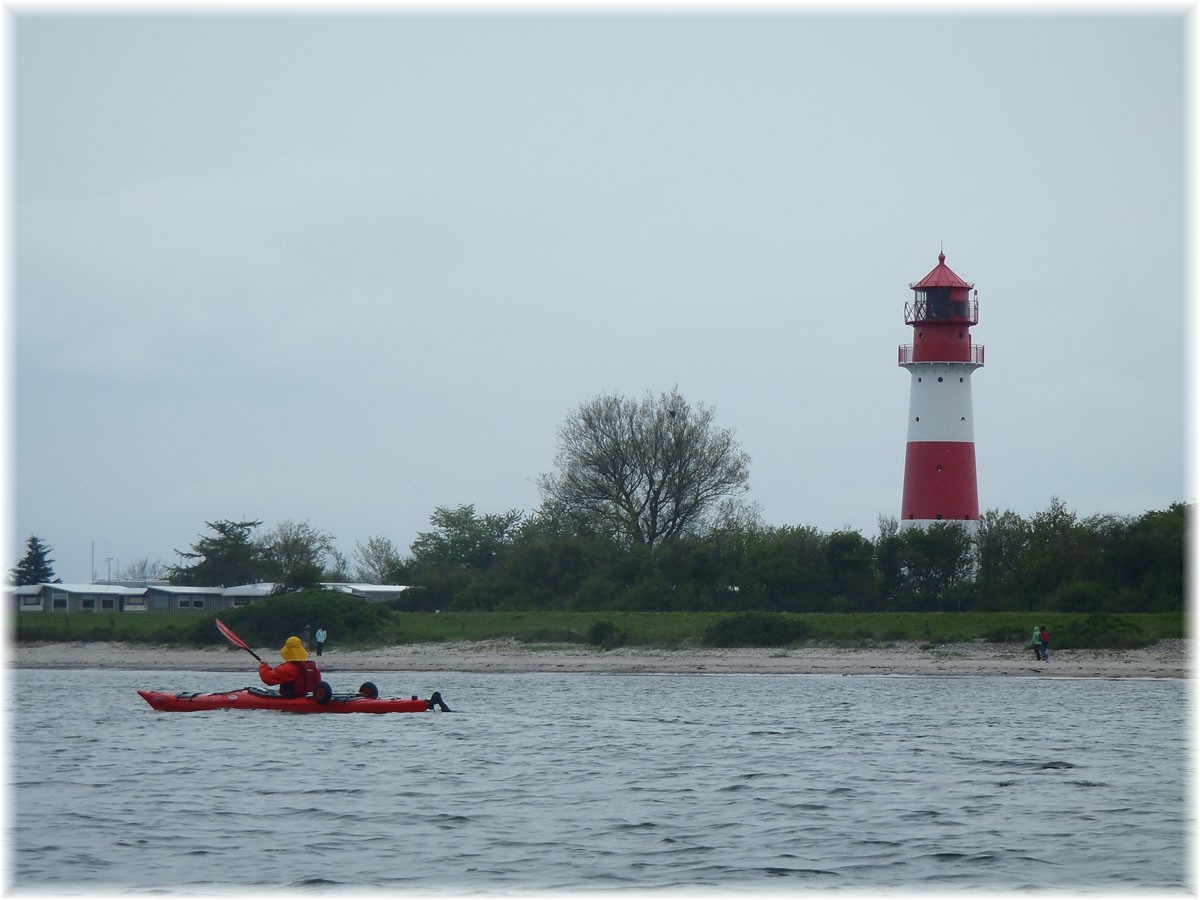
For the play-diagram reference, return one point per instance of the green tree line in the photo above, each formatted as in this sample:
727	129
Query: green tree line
1053	561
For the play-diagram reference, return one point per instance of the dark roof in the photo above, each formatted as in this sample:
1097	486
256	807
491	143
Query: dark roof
940	276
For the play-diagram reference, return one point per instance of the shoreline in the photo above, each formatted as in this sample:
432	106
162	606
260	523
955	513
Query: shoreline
1166	659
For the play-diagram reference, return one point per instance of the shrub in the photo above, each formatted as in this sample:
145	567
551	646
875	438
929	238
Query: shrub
755	629
596	592
842	604
606	635
650	595
269	623
1079	596
1100	632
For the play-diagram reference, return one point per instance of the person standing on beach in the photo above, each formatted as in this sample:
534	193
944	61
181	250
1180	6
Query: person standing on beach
306	638
1036	643
1044	636
320	636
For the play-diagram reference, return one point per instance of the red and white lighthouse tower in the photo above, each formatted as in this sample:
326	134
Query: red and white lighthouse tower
939	461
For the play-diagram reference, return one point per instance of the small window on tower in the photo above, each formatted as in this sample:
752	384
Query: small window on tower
939	379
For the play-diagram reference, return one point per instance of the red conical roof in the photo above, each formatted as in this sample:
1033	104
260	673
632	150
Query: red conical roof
940	276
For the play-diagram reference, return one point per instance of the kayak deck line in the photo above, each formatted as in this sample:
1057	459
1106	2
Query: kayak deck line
258	698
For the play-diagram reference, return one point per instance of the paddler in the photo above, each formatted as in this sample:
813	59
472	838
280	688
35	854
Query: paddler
296	675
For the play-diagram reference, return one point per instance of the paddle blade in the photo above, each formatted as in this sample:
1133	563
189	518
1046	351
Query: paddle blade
231	637
234	639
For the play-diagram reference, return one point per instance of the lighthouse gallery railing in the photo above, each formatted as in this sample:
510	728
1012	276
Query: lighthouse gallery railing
906	355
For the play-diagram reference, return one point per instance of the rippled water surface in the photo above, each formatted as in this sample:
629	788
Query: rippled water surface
564	782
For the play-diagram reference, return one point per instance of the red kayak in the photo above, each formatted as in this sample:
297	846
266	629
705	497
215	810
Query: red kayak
367	700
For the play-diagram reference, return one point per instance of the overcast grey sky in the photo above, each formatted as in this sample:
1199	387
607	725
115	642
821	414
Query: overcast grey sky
345	270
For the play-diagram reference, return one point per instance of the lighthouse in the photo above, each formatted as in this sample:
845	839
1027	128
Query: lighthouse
939	459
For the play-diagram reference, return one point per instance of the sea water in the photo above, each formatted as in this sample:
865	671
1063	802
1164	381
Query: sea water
572	782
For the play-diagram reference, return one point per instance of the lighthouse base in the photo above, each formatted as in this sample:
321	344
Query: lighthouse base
970	526
939	483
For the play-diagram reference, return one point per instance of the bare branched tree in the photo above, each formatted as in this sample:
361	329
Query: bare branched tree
143	570
295	555
647	471
377	561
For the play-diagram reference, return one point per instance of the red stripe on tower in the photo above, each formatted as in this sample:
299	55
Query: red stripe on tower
939	461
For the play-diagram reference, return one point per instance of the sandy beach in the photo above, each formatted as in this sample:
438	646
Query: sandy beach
1167	659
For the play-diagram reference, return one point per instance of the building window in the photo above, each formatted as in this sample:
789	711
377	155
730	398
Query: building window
88	603
106	603
198	603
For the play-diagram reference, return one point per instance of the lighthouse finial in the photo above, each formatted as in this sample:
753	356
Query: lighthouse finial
941	253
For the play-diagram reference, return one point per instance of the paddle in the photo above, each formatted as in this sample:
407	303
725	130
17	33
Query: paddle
235	640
